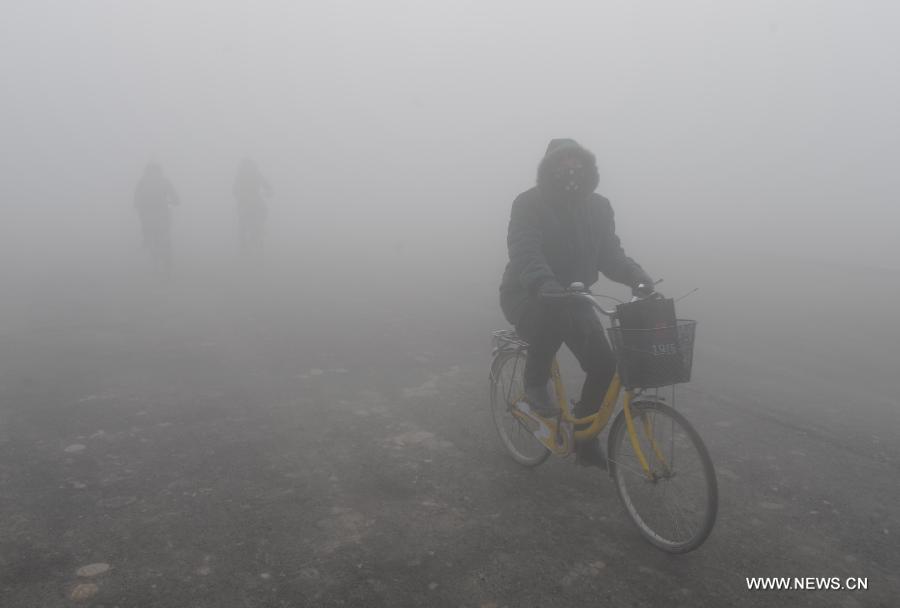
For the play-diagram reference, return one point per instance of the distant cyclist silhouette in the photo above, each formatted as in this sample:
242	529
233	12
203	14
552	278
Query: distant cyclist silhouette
153	199
250	191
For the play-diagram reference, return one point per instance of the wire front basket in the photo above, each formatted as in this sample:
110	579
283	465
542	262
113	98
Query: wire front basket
650	358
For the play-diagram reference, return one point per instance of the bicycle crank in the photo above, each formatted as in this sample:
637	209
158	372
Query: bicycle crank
556	436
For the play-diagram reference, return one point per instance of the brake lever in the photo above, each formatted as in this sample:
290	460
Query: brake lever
694	290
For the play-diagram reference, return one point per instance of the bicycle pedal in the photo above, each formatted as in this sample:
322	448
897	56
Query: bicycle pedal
531	420
556	438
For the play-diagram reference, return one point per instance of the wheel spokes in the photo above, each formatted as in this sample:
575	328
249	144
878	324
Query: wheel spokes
667	503
509	388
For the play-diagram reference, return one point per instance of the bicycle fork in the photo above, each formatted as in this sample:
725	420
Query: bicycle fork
636	444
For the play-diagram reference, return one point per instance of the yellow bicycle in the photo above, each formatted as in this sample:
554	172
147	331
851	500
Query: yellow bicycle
662	471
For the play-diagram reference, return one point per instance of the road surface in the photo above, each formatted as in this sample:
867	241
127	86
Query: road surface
219	445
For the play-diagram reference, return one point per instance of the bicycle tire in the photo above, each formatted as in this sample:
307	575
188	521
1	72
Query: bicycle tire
518	440
621	452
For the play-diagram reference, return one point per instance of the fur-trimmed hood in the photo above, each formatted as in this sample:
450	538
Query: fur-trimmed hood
556	150
560	237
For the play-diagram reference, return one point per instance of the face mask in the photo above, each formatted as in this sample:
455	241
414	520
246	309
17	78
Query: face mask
570	177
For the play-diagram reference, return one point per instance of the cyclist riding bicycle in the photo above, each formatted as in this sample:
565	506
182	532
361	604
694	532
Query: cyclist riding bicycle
560	232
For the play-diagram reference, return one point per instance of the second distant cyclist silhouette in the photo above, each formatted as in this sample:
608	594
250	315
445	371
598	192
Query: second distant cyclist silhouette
153	199
251	191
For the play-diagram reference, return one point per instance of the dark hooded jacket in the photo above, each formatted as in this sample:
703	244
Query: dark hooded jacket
552	238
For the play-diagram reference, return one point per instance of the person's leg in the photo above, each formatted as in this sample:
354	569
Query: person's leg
243	236
587	341
541	329
586	338
261	229
146	234
168	259
258	239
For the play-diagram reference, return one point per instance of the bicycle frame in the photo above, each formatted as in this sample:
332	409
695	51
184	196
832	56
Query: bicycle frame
596	422
600	419
563	431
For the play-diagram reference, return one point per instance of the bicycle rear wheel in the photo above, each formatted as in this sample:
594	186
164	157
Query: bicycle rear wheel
507	388
675	505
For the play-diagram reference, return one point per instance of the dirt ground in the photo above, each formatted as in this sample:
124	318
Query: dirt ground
217	447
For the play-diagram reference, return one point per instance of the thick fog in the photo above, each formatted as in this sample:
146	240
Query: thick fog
749	149
735	125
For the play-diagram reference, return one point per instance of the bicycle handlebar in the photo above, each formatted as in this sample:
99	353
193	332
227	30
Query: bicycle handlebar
578	291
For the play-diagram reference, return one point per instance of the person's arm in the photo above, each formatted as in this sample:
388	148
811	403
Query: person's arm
173	196
265	186
525	252
613	262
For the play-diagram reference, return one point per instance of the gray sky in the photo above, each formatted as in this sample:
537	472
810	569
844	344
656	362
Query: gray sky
763	127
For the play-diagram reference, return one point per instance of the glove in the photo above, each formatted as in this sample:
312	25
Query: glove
551	289
643	290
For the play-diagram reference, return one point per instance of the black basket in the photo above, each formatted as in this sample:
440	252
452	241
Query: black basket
650	358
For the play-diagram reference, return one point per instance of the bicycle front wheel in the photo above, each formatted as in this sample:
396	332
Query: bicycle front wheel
508	388
674	504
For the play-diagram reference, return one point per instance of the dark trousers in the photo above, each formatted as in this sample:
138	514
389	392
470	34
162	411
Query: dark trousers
546	326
